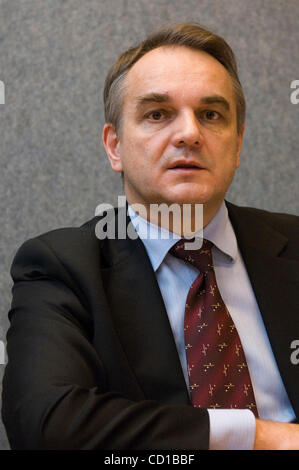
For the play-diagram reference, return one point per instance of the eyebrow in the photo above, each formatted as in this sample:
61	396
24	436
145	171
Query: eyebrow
152	98
164	98
214	99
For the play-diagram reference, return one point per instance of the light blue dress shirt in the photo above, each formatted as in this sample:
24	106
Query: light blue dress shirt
229	429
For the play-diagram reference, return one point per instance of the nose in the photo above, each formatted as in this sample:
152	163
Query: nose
187	131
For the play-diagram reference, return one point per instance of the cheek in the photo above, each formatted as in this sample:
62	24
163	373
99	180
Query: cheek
147	150
223	151
156	146
135	159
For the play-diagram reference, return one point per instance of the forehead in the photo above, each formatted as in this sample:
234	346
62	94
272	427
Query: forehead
178	70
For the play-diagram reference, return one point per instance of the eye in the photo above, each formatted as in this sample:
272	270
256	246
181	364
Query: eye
211	115
156	115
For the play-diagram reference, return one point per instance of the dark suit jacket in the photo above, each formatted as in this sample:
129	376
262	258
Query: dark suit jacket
92	361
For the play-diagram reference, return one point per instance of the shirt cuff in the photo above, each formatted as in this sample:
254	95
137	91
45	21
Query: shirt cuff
231	429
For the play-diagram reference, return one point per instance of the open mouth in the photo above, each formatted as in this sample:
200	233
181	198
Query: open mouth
186	168
183	165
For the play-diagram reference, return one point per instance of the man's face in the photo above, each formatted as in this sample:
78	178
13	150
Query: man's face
179	140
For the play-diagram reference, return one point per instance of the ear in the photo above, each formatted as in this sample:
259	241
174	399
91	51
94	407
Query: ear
239	145
111	144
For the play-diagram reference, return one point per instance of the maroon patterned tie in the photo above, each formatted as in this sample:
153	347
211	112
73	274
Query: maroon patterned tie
218	372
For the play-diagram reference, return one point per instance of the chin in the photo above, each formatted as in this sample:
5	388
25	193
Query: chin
189	197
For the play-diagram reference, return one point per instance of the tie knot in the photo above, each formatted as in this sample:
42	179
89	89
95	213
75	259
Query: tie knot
200	258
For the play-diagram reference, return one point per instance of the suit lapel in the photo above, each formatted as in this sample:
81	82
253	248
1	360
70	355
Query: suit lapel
274	277
141	320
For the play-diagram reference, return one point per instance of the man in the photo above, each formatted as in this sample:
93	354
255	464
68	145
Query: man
96	347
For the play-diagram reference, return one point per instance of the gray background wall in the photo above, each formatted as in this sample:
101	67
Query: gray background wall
53	59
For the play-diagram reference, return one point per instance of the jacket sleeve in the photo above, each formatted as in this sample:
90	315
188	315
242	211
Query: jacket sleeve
54	391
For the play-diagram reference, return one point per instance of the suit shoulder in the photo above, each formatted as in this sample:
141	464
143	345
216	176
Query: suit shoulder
286	224
64	243
66	235
283	222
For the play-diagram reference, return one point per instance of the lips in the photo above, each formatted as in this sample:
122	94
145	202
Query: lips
185	165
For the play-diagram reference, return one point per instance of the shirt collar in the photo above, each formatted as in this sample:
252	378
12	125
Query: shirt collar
158	241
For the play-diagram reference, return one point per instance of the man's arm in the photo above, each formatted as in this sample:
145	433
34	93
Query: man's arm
56	394
276	436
